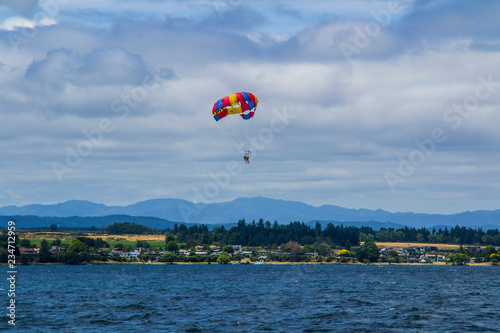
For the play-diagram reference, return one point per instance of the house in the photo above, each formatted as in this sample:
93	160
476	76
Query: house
201	253
424	258
134	255
413	250
25	250
184	252
428	248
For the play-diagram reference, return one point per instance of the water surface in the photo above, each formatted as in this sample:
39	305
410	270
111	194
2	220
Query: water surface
256	298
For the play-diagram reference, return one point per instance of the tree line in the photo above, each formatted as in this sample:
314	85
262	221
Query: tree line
265	234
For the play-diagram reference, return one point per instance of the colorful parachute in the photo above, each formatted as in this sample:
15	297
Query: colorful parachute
242	103
235	112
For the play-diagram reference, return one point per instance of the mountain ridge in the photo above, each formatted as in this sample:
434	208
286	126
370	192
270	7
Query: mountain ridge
283	211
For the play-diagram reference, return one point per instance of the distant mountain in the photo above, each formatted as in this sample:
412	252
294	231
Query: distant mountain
31	221
255	208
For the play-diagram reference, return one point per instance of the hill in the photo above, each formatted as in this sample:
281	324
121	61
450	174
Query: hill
31	221
253	208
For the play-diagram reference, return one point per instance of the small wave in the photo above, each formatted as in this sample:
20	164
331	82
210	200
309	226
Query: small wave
132	306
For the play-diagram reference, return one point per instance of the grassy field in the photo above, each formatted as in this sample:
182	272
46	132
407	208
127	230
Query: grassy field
112	240
395	244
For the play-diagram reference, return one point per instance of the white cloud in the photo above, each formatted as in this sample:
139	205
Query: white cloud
354	119
14	22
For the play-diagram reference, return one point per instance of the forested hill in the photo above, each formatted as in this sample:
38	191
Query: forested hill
253	209
30	221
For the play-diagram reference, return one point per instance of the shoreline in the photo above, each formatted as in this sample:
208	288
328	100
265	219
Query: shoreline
482	264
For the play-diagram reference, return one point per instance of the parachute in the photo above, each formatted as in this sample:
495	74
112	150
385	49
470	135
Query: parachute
235	113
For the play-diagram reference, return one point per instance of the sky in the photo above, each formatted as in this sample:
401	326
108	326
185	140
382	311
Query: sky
362	104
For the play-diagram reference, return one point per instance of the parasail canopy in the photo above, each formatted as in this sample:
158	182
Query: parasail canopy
235	112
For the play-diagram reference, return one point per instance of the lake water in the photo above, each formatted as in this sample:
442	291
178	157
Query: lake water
255	298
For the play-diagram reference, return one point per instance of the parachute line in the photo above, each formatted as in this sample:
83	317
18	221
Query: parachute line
236	113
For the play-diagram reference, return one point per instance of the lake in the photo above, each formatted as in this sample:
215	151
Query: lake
255	298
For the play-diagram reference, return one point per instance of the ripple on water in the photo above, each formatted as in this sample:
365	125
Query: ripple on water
265	298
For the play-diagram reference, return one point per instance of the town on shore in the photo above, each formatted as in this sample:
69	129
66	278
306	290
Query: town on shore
255	243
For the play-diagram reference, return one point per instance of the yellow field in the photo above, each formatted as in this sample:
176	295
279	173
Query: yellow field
68	236
395	244
149	238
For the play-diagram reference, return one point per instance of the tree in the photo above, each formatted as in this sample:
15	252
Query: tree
73	258
228	249
77	246
494	257
120	228
488	251
294	247
169	257
44	253
223	258
368	252
308	248
344	253
322	249
458	258
53	227
142	243
169	237
25	243
172	246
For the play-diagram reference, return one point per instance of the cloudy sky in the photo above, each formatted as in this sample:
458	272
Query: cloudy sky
362	104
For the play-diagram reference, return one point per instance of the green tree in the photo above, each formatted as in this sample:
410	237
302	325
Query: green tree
53	227
44	253
169	257
228	249
458	258
308	248
77	246
142	243
223	258
322	249
169	237
348	245
393	256
25	243
172	246
488	251
368	252
74	258
494	257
